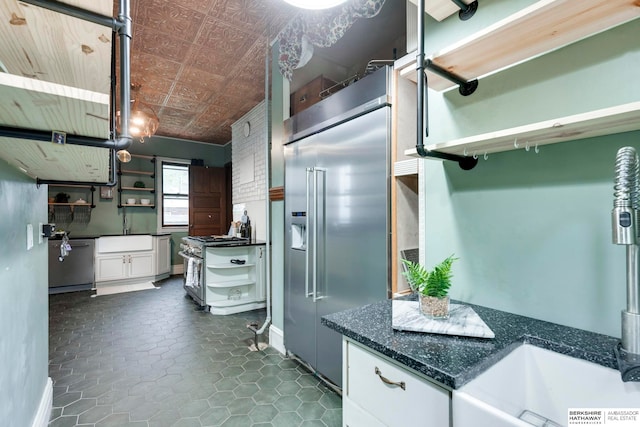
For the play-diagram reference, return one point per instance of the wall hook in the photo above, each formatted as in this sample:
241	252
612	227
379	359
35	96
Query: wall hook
475	156
526	146
485	155
536	149
464	152
515	143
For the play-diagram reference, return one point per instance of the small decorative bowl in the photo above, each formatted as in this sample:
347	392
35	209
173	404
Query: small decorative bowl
145	201
131	201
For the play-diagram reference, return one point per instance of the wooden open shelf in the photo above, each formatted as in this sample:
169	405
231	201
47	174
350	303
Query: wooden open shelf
622	118
146	189
440	9
533	31
55	75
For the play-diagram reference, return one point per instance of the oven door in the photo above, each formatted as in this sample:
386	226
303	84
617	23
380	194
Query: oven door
193	277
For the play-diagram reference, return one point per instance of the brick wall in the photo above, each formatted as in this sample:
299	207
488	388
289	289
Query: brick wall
249	166
248	157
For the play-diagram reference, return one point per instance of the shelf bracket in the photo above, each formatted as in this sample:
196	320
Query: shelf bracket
422	119
466	10
465	88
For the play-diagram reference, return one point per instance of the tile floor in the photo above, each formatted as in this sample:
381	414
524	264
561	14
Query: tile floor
148	358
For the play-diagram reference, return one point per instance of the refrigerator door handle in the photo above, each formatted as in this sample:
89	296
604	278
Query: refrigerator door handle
307	256
315	231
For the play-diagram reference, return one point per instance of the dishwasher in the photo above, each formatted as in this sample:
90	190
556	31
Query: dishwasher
76	270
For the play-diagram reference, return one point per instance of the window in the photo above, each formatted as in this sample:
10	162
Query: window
175	194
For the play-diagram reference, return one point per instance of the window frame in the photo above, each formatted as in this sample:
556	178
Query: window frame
160	202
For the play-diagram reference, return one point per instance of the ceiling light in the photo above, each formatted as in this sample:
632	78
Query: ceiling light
143	122
315	4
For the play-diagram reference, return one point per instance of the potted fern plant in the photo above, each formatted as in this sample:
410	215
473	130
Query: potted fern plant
432	286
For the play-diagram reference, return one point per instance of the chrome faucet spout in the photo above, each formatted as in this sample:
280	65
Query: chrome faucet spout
625	229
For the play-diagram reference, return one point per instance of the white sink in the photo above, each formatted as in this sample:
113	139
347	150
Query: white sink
128	243
531	385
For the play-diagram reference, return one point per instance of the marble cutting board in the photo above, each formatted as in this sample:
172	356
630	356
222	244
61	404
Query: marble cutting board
462	321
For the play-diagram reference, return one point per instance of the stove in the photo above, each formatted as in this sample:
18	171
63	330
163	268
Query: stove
192	250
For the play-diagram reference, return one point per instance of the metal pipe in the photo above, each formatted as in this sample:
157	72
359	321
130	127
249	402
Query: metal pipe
422	119
121	25
124	32
41	135
466	10
421	80
466	88
267	138
76	12
633	303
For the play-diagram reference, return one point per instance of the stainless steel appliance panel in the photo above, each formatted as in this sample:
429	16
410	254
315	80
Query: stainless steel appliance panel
300	310
77	268
355	225
337	187
365	95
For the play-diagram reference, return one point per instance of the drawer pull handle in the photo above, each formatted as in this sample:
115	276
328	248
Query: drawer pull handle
400	384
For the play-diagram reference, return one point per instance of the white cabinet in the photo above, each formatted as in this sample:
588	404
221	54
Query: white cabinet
132	258
380	392
123	266
234	277
162	249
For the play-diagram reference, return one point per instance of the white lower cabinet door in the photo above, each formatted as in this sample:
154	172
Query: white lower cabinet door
141	264
111	267
163	254
124	266
390	393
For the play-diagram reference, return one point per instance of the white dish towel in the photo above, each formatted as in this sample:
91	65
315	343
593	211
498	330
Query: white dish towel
192	273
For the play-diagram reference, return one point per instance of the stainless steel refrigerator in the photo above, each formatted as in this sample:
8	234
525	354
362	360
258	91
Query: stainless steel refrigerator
336	216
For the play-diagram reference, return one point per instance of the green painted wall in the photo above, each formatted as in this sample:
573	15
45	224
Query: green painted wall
106	218
532	231
24	310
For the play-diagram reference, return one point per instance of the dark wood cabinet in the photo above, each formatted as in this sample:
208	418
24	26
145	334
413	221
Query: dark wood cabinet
309	94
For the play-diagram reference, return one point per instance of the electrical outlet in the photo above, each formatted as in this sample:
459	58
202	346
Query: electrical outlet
29	236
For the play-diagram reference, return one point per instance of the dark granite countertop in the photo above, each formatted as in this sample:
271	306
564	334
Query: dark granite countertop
93	236
235	243
453	361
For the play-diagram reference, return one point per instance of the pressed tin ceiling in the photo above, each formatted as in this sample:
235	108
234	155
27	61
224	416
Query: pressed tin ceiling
201	63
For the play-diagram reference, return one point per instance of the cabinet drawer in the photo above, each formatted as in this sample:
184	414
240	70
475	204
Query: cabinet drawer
420	402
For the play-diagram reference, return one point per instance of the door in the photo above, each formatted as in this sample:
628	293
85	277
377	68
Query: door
207	201
76	268
300	311
140	264
111	267
336	203
354	254
163	255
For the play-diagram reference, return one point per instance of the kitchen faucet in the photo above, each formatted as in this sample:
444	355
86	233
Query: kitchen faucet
625	230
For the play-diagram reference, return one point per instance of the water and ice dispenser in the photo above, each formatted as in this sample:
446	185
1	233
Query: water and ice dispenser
299	231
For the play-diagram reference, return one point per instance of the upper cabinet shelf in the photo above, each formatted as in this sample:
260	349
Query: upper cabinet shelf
533	31
622	118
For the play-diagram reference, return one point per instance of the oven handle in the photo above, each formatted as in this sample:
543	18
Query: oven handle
184	255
